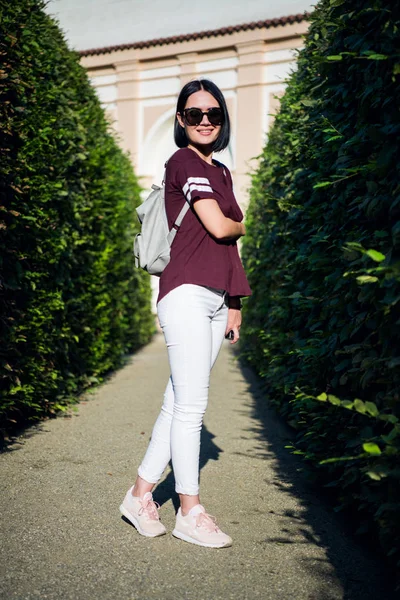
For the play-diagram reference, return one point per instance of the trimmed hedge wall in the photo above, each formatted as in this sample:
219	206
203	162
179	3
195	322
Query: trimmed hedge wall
322	252
71	302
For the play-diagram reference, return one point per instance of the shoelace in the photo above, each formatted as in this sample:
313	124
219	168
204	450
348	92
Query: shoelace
207	521
150	509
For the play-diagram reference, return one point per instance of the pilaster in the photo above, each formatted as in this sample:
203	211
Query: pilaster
250	108
128	86
188	65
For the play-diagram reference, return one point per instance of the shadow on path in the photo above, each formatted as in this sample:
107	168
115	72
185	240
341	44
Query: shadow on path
208	451
361	572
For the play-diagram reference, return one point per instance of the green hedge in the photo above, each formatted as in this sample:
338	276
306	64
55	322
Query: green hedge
71	302
323	257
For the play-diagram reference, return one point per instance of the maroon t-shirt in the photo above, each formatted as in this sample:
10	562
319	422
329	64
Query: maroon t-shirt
196	257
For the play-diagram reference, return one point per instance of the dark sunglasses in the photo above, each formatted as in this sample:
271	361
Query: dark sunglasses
194	116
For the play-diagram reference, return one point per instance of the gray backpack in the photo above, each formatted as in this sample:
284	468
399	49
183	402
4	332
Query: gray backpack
153	244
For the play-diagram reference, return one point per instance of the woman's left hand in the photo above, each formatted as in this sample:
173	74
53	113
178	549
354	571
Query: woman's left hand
234	323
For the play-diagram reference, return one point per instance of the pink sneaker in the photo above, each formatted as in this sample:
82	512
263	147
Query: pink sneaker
200	528
143	514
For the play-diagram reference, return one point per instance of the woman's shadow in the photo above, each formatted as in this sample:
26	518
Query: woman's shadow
208	451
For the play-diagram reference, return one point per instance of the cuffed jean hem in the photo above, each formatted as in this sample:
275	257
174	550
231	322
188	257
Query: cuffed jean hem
180	490
146	478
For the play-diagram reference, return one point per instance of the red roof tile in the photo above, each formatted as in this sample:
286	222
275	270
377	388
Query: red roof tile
200	35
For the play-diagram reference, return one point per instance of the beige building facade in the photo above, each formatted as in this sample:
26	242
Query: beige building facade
138	84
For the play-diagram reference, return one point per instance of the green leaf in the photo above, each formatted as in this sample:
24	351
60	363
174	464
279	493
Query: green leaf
322	184
360	406
335	57
354	246
366	279
372	448
375	255
334	400
374	475
372	409
347	404
322	397
308	102
377	57
389	419
388	439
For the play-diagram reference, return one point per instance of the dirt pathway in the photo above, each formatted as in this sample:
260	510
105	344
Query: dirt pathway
62	483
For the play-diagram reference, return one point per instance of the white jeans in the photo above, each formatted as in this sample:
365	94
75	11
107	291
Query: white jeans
193	319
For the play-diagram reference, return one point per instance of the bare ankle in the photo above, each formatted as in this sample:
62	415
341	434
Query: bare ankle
188	502
141	487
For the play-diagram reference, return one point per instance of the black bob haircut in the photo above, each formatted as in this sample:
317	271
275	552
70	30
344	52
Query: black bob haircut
190	88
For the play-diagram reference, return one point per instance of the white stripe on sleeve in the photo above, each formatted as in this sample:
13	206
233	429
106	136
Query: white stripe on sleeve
200	184
198	180
201	188
186	191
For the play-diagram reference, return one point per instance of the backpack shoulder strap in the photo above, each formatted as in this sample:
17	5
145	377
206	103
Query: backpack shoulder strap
184	209
180	217
177	223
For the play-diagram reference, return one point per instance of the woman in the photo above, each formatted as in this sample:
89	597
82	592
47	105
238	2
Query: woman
198	305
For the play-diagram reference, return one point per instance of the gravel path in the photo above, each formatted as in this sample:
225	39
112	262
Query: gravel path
62	483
